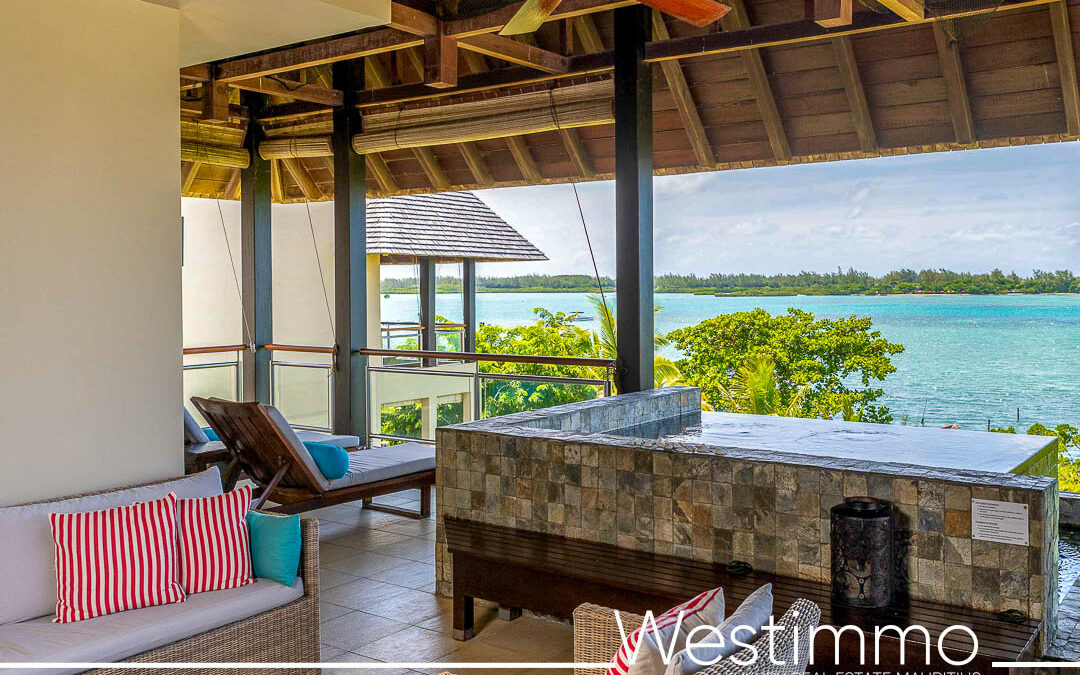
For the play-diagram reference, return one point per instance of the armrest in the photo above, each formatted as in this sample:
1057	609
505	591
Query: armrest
309	555
597	636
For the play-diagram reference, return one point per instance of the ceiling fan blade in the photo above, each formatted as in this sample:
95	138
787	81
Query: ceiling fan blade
698	13
531	16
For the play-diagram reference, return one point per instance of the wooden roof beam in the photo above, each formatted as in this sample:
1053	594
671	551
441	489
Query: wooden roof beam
412	21
952	69
856	95
475	160
1066	59
302	92
493	22
577	153
277	185
684	101
830	13
587	33
739	19
521	53
377	165
303	178
187	176
432	169
524	159
908	10
232	188
317	54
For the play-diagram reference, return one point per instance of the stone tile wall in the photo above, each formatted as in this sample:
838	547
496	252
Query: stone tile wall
534	471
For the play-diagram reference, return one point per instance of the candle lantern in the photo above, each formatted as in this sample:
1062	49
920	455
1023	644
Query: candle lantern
863	557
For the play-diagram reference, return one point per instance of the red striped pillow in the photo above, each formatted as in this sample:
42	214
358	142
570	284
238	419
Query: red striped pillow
214	544
706	609
113	560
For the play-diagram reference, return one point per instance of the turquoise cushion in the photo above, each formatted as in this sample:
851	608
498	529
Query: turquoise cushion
332	461
275	546
211	434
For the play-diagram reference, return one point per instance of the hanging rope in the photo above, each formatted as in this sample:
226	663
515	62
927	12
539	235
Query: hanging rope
581	211
322	277
248	336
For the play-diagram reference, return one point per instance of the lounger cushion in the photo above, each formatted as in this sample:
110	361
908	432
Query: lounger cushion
369	466
297	445
27	577
125	634
341	441
193	433
333	461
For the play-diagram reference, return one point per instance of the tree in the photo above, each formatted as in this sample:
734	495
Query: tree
1068	438
827	363
753	391
606	345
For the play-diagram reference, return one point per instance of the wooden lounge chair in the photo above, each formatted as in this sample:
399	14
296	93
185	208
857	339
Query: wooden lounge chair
267	449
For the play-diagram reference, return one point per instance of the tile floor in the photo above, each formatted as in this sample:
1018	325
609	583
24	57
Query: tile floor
378	603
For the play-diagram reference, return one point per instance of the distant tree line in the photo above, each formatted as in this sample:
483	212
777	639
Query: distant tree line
851	282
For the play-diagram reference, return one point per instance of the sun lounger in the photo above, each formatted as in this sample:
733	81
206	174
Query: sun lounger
268	450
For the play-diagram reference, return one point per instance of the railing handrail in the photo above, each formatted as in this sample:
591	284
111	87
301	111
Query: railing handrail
214	350
589	362
302	349
412	328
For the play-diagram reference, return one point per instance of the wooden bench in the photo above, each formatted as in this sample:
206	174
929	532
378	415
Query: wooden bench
552	575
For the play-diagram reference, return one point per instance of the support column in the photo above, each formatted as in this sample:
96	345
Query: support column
633	201
427	307
468	303
255	260
350	258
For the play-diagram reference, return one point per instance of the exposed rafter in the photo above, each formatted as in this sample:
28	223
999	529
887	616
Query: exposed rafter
232	188
830	13
517	52
440	62
302	178
684	102
412	21
277	185
856	95
475	161
908	10
1066	59
738	18
432	169
952	69
587	33
300	91
577	153
524	159
187	176
382	173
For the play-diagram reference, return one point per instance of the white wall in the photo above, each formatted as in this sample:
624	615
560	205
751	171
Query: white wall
90	317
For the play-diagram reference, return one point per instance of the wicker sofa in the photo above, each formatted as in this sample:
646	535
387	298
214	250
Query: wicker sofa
264	621
597	638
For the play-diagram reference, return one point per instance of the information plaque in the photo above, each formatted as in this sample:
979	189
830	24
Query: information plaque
1002	522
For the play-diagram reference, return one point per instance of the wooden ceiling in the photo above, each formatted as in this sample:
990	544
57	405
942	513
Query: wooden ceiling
772	88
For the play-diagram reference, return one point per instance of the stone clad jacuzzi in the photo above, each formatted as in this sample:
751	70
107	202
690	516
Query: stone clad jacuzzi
632	470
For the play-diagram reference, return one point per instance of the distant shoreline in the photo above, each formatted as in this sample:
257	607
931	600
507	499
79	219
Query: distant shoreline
734	294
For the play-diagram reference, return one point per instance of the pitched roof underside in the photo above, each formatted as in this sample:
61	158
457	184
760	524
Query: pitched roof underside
449	226
1010	66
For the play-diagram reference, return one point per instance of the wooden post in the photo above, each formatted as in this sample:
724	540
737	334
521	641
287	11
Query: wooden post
256	261
633	200
468	304
350	259
427	307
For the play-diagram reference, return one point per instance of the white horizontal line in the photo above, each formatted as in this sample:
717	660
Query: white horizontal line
267	666
1036	664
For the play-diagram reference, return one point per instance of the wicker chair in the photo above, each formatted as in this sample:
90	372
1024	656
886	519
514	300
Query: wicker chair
597	638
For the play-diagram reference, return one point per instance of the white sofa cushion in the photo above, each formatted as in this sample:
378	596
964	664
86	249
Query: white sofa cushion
27	576
115	637
368	466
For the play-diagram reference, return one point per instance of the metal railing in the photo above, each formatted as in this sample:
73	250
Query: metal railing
229	388
310	404
479	383
404	336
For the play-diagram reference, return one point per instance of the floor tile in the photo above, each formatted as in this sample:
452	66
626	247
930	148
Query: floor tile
364	539
328	611
412	548
411	644
411	527
357	629
329	552
410	606
361	594
327	652
407	573
329	579
363	563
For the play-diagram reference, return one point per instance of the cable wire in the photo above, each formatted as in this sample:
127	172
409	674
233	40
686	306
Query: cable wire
322	277
249	338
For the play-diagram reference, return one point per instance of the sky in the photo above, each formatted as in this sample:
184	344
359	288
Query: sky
1017	209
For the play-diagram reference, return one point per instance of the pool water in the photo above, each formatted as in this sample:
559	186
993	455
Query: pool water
1068	558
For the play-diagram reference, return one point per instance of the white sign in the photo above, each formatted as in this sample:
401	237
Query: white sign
1003	522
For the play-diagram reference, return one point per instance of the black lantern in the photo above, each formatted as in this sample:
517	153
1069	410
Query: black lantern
863	559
